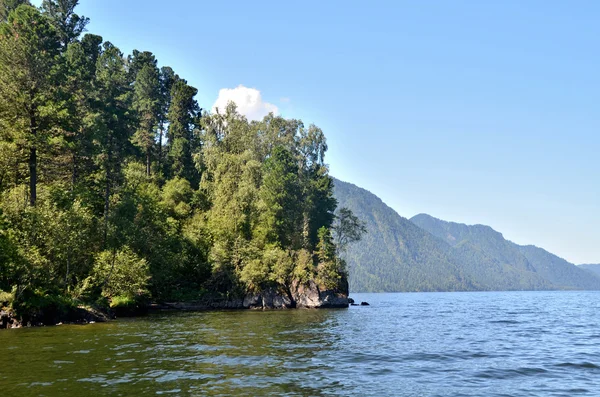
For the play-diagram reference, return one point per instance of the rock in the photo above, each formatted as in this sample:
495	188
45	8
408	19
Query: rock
5	319
311	296
299	295
350	301
364	304
268	299
354	304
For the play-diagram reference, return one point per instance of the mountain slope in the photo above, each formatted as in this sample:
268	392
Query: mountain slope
593	268
395	254
558	271
427	254
540	268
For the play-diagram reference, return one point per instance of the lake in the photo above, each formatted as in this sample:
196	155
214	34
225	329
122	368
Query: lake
417	344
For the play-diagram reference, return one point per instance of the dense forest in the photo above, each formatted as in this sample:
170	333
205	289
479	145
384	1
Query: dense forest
396	255
116	187
428	254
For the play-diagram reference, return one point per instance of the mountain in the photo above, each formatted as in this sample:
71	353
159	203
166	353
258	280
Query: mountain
395	254
593	268
558	271
528	267
428	254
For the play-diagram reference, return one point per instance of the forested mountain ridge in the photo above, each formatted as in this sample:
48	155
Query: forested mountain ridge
395	255
426	254
591	267
528	260
115	186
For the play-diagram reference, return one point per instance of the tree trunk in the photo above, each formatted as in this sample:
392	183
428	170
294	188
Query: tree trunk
106	208
148	162
306	230
74	173
108	166
32	159
160	138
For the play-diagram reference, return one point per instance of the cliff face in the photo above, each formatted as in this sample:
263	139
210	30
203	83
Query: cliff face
309	296
298	295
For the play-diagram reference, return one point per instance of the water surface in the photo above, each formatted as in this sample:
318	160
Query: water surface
421	344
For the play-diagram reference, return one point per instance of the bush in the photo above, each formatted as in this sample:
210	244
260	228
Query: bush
122	274
42	306
6	298
122	302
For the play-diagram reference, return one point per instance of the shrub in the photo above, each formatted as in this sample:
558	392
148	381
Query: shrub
121	273
6	298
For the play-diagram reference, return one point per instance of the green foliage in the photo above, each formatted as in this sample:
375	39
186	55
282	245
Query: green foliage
330	269
122	302
43	305
121	273
349	229
395	254
427	254
114	184
6	299
62	14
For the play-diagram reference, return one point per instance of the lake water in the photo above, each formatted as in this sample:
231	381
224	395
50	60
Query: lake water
421	344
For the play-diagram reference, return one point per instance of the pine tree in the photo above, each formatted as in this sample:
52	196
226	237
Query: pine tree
183	120
113	119
146	103
167	79
29	49
68	24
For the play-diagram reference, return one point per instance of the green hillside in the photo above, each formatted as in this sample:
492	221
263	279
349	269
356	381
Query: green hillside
428	254
593	268
396	255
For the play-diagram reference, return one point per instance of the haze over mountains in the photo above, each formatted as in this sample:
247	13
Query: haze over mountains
429	254
593	268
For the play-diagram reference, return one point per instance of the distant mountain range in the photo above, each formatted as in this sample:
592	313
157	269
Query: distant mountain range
593	268
429	254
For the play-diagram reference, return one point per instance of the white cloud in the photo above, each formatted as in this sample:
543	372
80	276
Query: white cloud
248	100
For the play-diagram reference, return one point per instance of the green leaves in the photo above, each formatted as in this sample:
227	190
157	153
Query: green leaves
121	273
140	193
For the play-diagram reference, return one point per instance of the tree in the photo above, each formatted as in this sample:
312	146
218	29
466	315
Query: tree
113	119
146	102
226	206
122	273
348	229
77	124
280	195
28	72
6	6
183	119
167	79
68	24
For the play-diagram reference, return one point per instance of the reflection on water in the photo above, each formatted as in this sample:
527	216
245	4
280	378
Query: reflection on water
539	344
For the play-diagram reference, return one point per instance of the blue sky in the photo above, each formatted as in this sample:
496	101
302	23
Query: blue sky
471	111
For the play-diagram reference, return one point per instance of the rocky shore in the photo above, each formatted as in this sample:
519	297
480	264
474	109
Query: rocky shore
80	315
298	296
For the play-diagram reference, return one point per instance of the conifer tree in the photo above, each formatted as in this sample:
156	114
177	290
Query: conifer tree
29	49
113	120
183	121
146	103
68	24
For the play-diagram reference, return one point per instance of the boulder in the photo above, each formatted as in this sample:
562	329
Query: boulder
267	299
312	296
300	295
